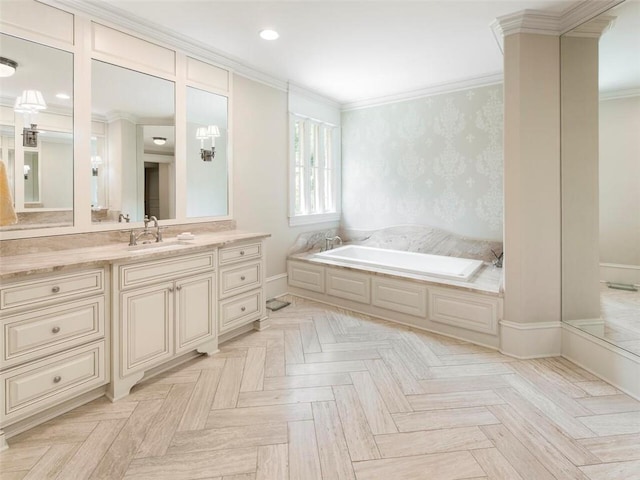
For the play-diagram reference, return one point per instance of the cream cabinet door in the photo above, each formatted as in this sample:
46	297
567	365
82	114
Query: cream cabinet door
194	311
146	327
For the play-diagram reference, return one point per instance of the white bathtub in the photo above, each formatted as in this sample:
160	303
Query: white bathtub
408	262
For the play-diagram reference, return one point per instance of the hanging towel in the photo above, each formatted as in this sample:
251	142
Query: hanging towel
7	213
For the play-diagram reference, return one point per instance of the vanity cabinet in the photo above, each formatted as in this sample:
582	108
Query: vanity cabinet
241	283
162	308
54	344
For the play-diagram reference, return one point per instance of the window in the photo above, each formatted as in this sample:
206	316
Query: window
314	172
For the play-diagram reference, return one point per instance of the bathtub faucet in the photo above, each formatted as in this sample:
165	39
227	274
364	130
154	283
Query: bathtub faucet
329	242
499	259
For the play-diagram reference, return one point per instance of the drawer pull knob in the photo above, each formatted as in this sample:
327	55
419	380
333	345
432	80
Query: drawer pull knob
171	289
55	289
241	252
242	278
57	379
55	329
179	287
243	309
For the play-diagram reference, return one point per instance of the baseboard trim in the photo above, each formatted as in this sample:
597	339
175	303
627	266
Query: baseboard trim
276	285
612	364
530	340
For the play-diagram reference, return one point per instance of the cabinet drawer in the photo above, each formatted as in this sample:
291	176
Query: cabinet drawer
304	275
50	330
240	253
239	311
345	284
399	296
241	278
136	274
51	289
42	384
465	310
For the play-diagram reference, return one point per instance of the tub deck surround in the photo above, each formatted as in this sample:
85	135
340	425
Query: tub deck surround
468	310
487	280
15	266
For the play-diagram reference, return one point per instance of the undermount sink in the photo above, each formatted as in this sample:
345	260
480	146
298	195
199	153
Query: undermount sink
155	246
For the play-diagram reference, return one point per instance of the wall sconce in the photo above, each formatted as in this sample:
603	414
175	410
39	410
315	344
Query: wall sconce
30	102
30	136
27	169
202	133
95	163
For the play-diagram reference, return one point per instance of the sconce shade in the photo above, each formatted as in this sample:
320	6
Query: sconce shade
201	133
213	131
7	67
30	101
26	169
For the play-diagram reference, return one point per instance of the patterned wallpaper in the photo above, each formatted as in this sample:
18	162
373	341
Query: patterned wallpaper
433	161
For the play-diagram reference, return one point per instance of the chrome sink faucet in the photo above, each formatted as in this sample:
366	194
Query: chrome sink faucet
157	235
329	242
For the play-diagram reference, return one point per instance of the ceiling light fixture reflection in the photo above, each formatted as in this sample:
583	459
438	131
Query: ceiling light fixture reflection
159	140
7	67
269	34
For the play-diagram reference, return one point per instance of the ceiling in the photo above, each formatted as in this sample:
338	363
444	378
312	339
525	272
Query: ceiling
346	50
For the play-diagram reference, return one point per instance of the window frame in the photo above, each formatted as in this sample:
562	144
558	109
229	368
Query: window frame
325	215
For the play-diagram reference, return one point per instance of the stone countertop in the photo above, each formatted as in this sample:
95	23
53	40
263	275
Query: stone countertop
488	280
46	262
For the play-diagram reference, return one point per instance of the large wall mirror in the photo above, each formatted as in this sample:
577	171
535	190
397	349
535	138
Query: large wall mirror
207	157
133	145
601	176
36	132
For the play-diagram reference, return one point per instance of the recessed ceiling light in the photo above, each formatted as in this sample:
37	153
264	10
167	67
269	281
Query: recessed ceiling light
7	67
269	34
159	140
62	96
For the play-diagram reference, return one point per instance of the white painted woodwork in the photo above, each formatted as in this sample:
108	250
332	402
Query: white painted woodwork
240	278
304	275
467	310
58	27
399	296
195	310
238	311
135	274
38	385
146	322
241	253
130	50
51	289
350	285
50	330
207	75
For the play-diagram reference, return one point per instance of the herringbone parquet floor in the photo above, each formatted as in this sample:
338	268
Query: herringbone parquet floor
327	394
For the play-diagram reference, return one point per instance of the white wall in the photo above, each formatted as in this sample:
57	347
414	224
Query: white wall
434	161
260	168
620	181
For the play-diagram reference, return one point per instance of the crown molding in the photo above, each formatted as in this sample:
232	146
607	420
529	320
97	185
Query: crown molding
592	28
438	89
552	23
102	11
617	94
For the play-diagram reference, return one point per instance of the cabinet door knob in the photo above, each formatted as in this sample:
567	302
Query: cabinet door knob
242	278
171	289
179	287
57	379
241	252
55	329
243	309
55	289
